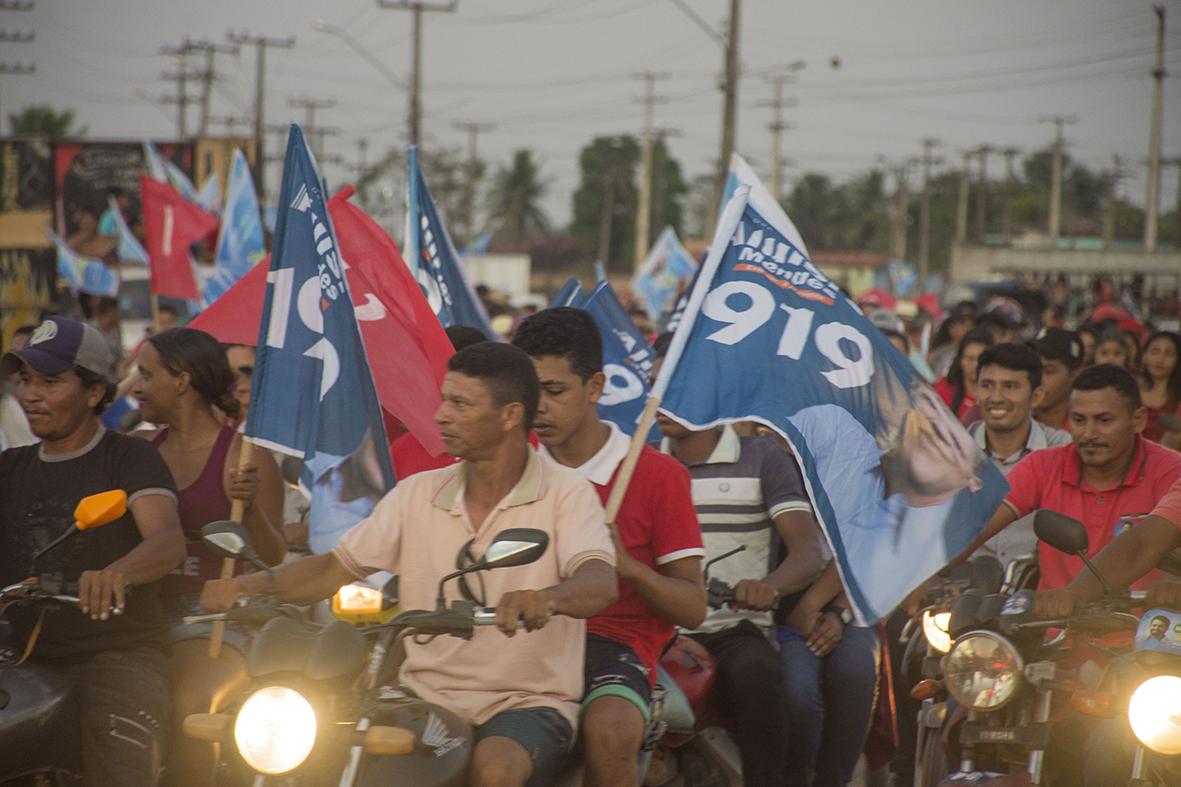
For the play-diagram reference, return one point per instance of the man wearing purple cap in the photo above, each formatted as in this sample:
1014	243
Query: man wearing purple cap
117	663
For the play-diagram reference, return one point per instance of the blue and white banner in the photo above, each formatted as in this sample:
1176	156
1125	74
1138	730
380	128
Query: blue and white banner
165	171
209	197
129	249
897	484
154	163
570	294
666	270
313	393
240	244
83	274
627	360
432	257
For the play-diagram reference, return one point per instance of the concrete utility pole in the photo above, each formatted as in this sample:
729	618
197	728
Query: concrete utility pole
1112	178
1152	198
261	43
729	104
1010	155
181	77
362	168
416	7
1056	175
961	205
898	213
982	191
316	134
929	161
644	203
208	75
777	126
473	130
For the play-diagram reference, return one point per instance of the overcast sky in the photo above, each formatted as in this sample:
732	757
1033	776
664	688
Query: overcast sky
551	74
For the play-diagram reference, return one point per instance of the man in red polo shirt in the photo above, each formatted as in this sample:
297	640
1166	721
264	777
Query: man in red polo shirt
656	533
1109	478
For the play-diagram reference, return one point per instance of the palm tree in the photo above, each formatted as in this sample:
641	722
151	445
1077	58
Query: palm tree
513	201
44	121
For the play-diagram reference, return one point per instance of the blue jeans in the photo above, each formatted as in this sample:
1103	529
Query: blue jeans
829	705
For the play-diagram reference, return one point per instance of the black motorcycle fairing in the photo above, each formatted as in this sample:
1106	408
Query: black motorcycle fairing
443	744
287	645
39	726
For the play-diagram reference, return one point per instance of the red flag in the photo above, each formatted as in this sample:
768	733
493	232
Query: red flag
235	316
172	224
404	342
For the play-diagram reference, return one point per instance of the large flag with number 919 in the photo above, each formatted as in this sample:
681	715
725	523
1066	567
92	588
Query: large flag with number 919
898	485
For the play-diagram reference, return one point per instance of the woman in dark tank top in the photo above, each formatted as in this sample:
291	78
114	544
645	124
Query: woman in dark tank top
183	377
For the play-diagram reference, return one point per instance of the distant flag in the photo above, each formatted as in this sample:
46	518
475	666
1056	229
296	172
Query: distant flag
627	360
155	163
479	245
172	225
83	274
313	395
209	197
600	271
897	484
240	244
162	169
571	294
666	269
129	248
270	215
434	261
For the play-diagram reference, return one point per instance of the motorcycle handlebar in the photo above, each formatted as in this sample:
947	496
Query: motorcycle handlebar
26	592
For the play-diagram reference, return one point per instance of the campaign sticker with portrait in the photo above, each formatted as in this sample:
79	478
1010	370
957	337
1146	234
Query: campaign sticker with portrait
1160	630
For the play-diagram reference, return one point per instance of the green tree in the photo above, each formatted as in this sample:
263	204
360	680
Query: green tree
45	121
514	199
605	202
668	192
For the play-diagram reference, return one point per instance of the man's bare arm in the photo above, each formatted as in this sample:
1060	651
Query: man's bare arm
803	564
302	581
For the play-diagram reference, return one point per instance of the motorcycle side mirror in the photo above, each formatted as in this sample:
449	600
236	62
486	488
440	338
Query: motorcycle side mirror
1061	532
230	539
963	612
517	546
987	574
101	509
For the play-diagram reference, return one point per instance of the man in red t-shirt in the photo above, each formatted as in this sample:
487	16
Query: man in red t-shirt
1109	478
657	540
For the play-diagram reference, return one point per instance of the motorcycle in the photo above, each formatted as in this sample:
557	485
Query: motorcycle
1004	674
319	710
39	728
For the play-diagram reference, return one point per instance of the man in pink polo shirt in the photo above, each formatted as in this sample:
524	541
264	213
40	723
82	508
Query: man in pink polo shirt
657	541
1109	478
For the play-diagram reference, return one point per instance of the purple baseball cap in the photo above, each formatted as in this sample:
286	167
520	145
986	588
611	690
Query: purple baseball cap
58	345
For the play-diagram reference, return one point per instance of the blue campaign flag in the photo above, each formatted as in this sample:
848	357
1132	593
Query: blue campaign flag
313	394
434	261
83	274
155	163
666	269
165	171
627	360
570	294
240	244
209	197
479	245
895	480
129	249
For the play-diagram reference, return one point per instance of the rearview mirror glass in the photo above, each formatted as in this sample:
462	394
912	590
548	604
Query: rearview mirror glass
226	538
100	509
1061	532
516	546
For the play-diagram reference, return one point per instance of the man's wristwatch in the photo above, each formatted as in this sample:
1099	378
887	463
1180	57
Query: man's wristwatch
845	615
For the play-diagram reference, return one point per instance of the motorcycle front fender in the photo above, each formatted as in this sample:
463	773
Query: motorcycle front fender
980	779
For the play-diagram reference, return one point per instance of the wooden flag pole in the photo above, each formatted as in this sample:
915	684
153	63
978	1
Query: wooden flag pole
237	513
623	480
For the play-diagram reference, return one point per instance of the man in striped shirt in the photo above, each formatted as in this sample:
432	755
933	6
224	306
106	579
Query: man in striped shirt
748	493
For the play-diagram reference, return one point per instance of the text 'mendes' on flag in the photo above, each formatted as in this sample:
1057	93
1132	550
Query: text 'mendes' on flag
240	243
435	262
313	394
896	482
172	224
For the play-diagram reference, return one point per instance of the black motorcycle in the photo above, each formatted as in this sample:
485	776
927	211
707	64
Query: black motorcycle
320	709
39	727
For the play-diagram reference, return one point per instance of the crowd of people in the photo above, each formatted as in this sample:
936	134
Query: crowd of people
1080	420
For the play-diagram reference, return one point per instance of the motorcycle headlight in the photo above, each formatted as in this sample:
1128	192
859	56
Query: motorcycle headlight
1155	714
983	670
935	629
275	730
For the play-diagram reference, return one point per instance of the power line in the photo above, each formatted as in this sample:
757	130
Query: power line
261	43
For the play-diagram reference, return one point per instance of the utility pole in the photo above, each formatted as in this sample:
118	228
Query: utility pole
982	191
362	168
181	76
1056	175
261	43
777	126
1010	155
644	206
208	75
898	213
473	130
416	7
961	205
929	145
1152	198
1112	178
729	104
310	105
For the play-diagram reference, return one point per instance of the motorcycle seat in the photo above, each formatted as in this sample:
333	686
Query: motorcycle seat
288	645
676	712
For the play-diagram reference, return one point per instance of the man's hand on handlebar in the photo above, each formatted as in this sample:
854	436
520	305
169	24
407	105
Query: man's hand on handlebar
534	607
100	591
1054	604
1165	593
753	594
220	595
